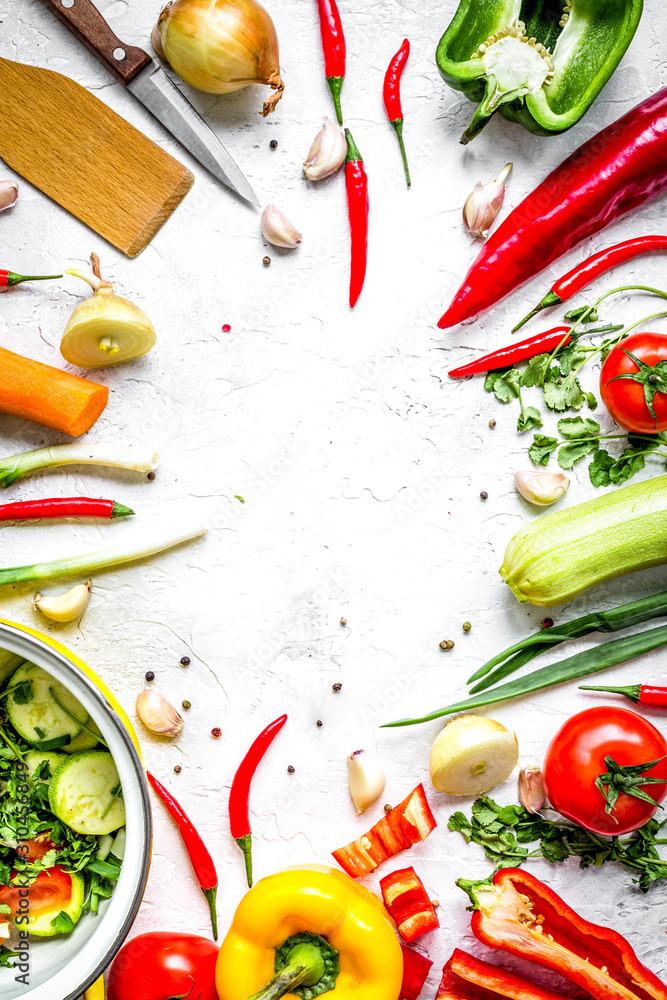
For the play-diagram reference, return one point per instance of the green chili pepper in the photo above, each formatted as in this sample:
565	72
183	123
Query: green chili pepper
541	63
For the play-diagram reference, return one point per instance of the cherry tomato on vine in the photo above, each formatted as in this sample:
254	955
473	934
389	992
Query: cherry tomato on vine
633	383
164	965
576	757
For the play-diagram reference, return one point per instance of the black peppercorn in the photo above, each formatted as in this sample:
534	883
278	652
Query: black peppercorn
273	144
337	687
484	495
151	476
185	661
266	261
150	676
548	623
319	723
290	769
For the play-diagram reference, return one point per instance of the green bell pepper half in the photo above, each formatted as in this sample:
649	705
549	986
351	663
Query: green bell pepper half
584	52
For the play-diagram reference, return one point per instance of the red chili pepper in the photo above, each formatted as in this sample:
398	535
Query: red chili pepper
239	796
333	46
611	174
392	97
468	978
202	862
408	903
543	343
415	973
642	694
28	510
405	825
9	278
513	904
356	184
586	272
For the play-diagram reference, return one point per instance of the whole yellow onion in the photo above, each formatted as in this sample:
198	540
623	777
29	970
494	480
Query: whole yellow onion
219	46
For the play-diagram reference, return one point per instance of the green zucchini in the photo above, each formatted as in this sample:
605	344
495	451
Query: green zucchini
34	758
33	712
561	555
85	793
41	925
85	740
8	664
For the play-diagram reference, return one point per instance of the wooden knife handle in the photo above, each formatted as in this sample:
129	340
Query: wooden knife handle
85	20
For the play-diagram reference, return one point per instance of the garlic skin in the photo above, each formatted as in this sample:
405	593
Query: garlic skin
157	714
531	789
328	152
541	488
483	205
367	779
9	192
66	607
278	230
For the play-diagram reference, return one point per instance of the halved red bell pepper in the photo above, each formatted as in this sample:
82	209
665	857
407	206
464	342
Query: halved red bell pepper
405	825
408	903
518	913
468	978
415	973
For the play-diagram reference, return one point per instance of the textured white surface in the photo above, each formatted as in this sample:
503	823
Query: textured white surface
361	464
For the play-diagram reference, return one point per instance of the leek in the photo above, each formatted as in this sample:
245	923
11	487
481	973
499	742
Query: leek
117	456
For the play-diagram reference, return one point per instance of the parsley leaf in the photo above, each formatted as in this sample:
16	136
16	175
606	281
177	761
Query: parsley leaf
63	923
598	470
541	449
564	395
576	427
528	418
533	374
503	383
23	693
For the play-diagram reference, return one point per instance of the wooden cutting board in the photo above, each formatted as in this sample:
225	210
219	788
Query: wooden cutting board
79	152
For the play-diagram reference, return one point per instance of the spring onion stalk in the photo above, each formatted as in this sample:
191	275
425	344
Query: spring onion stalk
589	661
118	456
116	555
527	649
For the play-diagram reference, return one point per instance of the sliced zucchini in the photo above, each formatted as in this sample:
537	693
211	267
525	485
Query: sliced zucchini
41	925
34	758
84	741
34	713
8	664
85	793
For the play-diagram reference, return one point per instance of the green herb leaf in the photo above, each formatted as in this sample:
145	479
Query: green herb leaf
564	395
533	373
578	427
23	693
630	462
528	418
592	401
460	823
63	923
574	451
503	383
542	448
599	468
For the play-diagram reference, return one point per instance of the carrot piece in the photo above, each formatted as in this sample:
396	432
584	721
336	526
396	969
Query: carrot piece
49	396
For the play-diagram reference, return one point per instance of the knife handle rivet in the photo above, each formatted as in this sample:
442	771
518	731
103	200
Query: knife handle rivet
119	54
66	3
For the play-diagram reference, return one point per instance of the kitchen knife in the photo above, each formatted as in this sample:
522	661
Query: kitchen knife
151	85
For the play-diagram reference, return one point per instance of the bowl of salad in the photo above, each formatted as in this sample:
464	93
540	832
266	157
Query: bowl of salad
75	826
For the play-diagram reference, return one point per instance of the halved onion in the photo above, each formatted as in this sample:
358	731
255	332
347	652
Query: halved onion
471	755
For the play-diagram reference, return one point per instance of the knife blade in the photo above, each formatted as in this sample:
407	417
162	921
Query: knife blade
151	85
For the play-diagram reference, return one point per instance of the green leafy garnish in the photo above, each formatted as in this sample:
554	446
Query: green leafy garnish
23	693
63	923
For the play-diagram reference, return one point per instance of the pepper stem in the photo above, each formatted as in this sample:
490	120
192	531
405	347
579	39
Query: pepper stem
245	843
353	154
16	279
335	86
303	960
398	125
633	692
210	899
550	299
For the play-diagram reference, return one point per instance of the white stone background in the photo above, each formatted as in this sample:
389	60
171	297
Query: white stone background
360	462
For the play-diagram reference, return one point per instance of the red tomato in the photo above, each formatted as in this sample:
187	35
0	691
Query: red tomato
162	965
51	890
624	398
34	850
575	758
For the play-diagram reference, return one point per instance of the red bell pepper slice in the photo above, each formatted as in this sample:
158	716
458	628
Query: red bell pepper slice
408	903
518	913
415	973
468	978
407	824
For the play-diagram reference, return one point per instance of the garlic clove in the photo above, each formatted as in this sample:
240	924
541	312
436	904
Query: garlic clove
9	192
541	488
278	230
157	714
66	607
531	789
327	153
483	205
367	779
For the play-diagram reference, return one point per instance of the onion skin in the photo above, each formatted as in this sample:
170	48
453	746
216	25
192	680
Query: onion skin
219	46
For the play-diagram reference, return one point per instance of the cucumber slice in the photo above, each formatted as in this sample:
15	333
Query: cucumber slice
40	925
84	741
85	793
32	711
35	757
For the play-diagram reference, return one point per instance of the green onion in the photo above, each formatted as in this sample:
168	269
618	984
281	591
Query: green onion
88	562
589	661
15	466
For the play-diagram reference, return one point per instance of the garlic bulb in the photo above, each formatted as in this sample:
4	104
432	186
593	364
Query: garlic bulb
219	46
531	789
541	488
9	192
483	205
327	153
278	230
471	755
367	779
157	714
66	607
105	329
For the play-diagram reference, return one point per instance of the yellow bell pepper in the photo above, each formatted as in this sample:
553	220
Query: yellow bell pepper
306	902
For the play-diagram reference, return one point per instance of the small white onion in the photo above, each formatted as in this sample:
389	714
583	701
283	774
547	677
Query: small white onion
471	755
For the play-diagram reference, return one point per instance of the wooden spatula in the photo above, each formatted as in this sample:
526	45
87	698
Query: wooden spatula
79	152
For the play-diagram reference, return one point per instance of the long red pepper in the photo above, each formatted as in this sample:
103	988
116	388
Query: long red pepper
467	978
415	973
543	343
333	46
239	796
9	278
392	97
356	184
586	272
202	862
642	694
611	174
28	510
